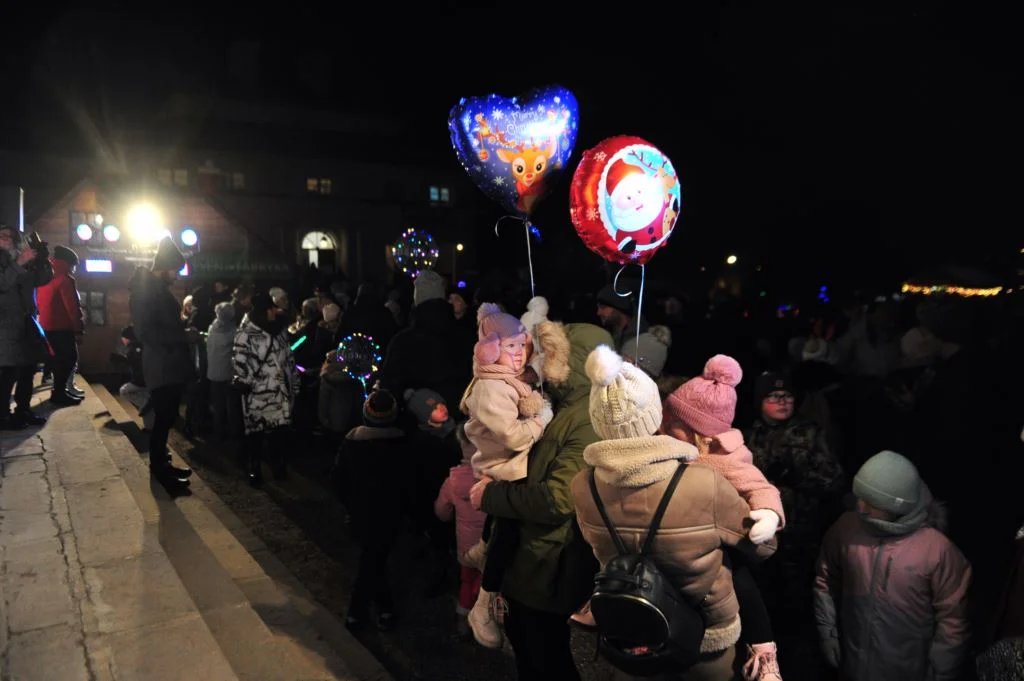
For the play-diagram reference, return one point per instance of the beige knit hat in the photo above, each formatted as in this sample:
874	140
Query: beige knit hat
624	401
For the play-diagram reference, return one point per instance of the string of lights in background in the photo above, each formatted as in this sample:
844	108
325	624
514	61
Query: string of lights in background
962	291
414	252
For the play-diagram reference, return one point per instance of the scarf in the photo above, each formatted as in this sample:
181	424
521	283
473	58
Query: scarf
530	401
639	461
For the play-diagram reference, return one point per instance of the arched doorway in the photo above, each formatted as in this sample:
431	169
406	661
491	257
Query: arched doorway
319	249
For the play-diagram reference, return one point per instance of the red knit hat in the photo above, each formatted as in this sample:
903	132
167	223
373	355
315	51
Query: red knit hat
707	404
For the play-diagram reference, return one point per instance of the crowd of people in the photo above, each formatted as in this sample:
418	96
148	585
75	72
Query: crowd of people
834	496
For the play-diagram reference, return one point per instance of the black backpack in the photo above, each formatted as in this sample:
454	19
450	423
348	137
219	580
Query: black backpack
635	605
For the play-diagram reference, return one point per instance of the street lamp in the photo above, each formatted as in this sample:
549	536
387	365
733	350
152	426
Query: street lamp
731	260
455	261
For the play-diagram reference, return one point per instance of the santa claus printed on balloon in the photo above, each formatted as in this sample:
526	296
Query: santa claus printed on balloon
625	199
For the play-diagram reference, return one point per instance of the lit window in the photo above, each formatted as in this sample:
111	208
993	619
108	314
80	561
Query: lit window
312	184
238	181
181	178
325	185
435	194
164	176
94	307
445	196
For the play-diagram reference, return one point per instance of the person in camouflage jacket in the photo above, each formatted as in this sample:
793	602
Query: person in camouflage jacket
793	454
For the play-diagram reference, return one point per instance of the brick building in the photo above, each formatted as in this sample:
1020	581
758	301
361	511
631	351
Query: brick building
106	267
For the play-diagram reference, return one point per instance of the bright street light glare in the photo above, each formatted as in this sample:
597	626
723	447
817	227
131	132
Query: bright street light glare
458	247
145	224
731	260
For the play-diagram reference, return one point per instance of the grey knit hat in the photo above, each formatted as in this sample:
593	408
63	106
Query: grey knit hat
429	285
888	482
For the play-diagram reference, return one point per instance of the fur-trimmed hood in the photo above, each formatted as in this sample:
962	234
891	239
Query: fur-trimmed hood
565	348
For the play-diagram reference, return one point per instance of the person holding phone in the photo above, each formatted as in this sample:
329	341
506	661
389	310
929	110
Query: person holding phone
24	266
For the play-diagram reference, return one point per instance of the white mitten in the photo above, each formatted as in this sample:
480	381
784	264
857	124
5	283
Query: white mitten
546	413
766	522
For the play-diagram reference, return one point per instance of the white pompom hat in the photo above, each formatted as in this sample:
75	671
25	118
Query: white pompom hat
624	401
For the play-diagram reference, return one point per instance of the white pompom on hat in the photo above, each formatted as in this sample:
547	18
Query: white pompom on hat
624	401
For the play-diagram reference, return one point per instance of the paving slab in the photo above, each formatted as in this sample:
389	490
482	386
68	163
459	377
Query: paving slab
179	650
51	654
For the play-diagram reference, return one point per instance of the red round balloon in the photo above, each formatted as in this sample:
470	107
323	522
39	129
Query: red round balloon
625	199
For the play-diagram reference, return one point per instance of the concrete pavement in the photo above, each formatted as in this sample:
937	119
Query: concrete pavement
88	593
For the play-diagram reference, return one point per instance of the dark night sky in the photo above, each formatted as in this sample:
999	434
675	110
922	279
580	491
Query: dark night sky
854	136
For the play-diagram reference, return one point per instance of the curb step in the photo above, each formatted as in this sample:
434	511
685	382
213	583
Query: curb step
268	625
88	591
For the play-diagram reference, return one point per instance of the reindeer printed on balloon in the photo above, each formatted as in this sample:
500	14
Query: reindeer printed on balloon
512	148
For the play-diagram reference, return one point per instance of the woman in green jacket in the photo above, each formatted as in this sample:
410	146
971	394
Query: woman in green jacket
553	569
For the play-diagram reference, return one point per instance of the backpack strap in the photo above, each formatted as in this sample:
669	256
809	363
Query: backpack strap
616	539
662	507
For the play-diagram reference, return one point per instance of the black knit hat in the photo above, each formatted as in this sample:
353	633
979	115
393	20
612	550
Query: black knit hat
608	297
769	382
380	408
66	254
168	257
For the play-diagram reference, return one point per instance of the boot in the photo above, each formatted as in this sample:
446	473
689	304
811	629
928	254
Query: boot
168	476
483	622
762	663
64	399
23	418
179	472
255	468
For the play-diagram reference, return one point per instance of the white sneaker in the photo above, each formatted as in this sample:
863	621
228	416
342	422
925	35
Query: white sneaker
481	620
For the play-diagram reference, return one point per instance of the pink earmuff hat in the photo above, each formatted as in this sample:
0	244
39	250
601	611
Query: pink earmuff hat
494	326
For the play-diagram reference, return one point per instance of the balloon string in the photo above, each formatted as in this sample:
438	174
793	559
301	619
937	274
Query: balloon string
529	251
529	257
639	299
639	306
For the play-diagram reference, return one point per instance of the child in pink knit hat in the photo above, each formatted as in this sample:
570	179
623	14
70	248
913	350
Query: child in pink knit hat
701	412
506	417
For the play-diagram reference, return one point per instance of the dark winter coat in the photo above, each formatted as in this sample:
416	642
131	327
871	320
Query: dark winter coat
371	476
19	342
795	458
427	355
156	317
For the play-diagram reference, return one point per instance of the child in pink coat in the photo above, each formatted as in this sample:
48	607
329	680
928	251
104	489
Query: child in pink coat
453	502
506	417
890	596
701	412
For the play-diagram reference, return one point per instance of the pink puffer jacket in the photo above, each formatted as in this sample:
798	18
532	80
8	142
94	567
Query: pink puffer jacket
897	603
453	499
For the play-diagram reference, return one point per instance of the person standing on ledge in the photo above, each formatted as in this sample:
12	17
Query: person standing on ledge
166	362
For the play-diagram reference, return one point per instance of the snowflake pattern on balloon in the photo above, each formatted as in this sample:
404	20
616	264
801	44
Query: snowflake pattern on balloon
521	141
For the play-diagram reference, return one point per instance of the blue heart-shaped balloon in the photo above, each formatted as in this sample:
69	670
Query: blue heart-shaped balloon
514	147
